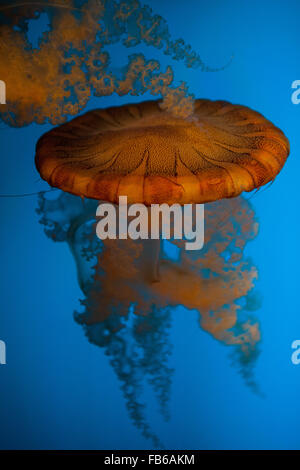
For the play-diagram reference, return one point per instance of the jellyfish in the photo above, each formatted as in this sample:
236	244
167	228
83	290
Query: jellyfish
154	156
175	150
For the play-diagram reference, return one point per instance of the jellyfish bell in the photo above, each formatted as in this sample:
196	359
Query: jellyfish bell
152	156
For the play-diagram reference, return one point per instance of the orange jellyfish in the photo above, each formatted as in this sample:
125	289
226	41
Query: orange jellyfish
151	156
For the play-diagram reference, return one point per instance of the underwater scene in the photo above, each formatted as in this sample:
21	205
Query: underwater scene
188	338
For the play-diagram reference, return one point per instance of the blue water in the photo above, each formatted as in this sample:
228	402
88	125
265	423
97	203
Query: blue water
57	390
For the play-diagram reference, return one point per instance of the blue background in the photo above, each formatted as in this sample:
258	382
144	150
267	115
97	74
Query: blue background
58	390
